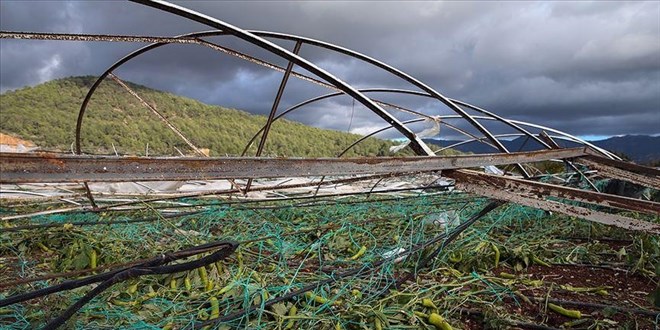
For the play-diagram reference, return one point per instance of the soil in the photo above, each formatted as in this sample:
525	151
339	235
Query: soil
623	289
14	141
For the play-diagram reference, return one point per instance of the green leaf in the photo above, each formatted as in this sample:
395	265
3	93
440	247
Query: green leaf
518	267
279	309
80	261
622	253
382	318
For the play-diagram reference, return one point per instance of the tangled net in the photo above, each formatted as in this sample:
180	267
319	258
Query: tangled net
355	261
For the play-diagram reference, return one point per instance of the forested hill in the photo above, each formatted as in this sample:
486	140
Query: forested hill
46	115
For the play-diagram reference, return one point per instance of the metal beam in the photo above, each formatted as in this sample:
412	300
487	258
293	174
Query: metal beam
548	190
642	175
532	194
553	145
41	167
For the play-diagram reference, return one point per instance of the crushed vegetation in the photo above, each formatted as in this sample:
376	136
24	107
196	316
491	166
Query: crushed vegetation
516	267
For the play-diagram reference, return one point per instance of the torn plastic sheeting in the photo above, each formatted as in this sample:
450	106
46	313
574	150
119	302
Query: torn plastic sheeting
427	133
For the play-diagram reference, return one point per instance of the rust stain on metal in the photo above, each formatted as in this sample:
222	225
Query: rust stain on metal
489	188
116	169
642	175
547	190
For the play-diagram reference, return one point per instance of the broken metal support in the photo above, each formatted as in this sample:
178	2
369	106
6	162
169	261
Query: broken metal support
548	190
642	175
533	194
553	145
273	109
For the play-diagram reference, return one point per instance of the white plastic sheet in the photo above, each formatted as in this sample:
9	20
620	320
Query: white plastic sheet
427	133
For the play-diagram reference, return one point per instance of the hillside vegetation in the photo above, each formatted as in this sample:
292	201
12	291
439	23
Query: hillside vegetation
46	115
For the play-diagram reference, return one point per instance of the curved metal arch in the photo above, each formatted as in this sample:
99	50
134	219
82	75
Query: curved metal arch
429	90
571	137
561	136
477	139
327	46
153	46
432	93
512	123
417	120
120	62
330	95
291	109
509	122
498	118
416	143
150	47
410	79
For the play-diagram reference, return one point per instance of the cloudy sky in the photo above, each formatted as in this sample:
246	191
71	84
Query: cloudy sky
588	68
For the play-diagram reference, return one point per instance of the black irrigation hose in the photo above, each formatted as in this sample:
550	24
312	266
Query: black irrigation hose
156	261
154	266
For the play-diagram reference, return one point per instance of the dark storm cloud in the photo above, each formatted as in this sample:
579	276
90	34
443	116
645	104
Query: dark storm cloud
583	67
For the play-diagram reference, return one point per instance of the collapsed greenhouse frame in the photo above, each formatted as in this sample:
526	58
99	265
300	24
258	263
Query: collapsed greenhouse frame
497	189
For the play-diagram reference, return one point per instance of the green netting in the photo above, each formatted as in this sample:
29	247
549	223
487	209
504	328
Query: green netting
287	245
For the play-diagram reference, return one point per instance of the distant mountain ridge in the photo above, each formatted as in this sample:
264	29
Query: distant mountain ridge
642	149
